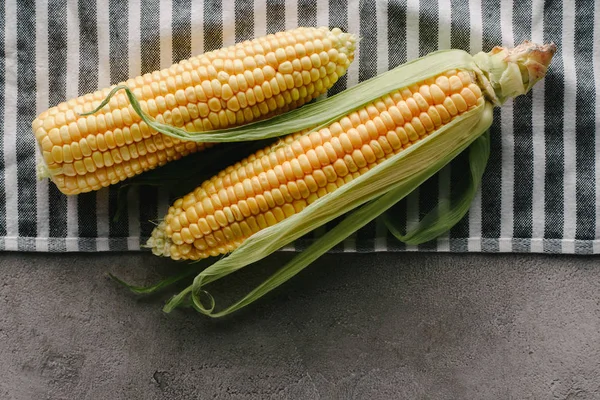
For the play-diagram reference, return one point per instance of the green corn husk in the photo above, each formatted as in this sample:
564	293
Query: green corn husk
376	191
446	213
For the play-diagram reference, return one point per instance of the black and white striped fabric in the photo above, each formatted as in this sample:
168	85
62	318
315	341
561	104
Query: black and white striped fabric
540	193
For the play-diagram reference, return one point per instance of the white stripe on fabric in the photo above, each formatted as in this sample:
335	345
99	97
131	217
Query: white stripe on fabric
596	61
569	124
72	91
444	24
322	13
445	174
412	52
443	244
538	138
260	18
10	126
475	43
104	80
352	79
475	29
196	27
382	66
166	39
291	14
508	145
41	105
134	42
412	29
135	69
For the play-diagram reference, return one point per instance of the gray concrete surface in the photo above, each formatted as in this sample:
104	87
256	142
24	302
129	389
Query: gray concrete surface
385	326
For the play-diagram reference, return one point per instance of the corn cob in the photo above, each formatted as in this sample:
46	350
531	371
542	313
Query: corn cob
284	179
236	85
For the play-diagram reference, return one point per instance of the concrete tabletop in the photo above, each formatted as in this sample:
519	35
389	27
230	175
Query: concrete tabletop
352	326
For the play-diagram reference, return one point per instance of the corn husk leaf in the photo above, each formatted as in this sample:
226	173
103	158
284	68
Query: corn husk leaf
446	213
381	188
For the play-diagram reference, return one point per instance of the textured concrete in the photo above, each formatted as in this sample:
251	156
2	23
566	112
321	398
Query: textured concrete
382	326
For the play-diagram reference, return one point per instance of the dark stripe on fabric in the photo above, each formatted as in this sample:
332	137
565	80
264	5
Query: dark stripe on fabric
367	68
584	247
428	42
26	243
26	148
244	20
119	72
428	27
213	25
150	57
307	13
491	185
460	25
521	245
275	16
552	246
396	56
57	87
338	18
459	39
523	137
554	135
365	238
88	82
585	124
3	210
118	25
150	35
181	28
396	29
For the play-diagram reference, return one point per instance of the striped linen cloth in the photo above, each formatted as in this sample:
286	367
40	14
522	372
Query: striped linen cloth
540	192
